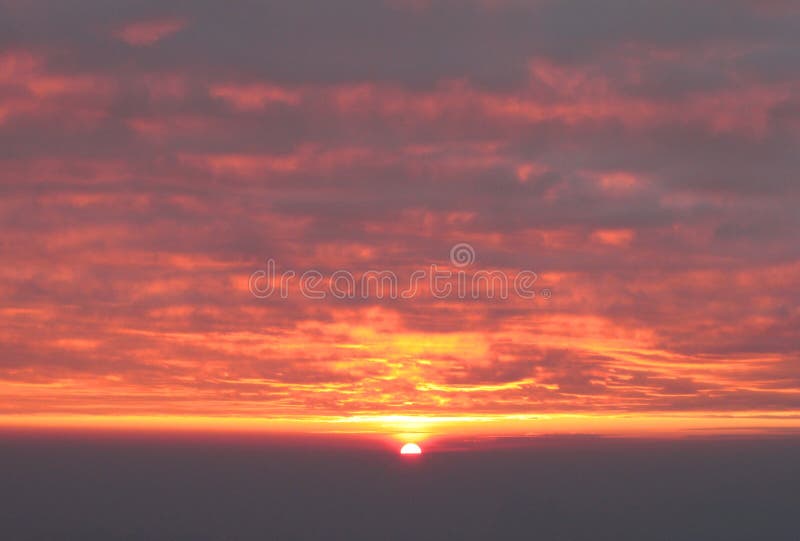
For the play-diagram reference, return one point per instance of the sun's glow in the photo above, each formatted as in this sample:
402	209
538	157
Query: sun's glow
422	428
410	449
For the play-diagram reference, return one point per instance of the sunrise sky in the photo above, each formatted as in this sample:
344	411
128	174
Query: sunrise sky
640	157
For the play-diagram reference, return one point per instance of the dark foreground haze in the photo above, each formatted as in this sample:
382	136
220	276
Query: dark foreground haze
59	487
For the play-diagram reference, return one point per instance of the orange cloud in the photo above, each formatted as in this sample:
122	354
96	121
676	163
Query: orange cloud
650	185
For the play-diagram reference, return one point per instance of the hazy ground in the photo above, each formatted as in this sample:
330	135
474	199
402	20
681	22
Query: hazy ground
67	487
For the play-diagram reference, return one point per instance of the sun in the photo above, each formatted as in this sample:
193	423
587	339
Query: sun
410	449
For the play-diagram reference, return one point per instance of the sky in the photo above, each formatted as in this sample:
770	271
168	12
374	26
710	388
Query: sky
638	159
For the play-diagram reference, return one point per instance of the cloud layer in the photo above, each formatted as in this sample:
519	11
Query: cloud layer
641	157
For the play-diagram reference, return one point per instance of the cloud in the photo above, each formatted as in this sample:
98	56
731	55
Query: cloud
146	33
639	157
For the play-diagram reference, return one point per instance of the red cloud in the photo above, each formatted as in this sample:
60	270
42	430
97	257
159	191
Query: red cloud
144	33
649	181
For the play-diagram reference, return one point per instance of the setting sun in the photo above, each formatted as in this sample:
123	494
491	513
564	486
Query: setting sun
410	449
